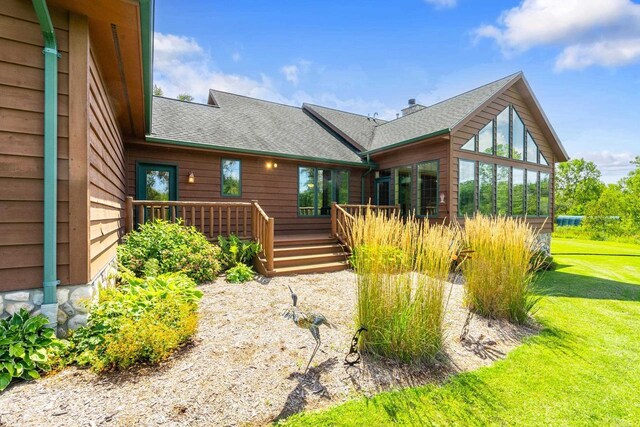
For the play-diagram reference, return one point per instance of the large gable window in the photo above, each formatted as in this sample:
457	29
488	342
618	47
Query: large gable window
231	183
506	136
318	188
502	190
517	192
485	188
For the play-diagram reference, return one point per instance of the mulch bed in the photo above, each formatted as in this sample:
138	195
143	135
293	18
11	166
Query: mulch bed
245	364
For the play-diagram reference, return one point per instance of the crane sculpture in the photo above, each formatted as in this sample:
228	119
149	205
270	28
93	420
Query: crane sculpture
306	320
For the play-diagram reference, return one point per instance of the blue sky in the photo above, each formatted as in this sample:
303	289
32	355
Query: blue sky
581	57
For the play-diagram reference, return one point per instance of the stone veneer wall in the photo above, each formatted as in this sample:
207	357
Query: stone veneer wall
73	300
544	240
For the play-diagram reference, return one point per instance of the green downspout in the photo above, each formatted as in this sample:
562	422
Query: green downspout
371	168
50	51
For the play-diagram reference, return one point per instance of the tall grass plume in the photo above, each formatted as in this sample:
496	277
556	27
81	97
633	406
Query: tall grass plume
401	266
499	276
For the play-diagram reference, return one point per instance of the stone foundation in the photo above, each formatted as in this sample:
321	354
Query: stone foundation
73	300
544	242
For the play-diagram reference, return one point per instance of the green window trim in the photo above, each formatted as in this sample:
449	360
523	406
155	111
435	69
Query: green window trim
222	178
141	181
419	187
333	198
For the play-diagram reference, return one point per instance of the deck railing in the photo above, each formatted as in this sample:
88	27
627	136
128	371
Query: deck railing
246	220
342	217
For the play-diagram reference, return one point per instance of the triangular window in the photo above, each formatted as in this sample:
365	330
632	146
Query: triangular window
543	160
532	149
517	141
470	145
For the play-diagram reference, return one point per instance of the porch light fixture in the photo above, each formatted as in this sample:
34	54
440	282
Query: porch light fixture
442	195
192	178
271	165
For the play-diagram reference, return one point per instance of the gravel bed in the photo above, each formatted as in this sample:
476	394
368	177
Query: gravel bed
245	365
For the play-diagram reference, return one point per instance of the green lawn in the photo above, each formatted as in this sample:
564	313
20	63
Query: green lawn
583	369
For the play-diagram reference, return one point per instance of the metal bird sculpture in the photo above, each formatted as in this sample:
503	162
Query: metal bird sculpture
306	320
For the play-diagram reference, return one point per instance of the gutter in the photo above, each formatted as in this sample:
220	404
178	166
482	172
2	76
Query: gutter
50	281
254	152
408	141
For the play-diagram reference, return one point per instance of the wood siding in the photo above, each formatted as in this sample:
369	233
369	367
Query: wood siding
435	149
275	189
106	173
21	145
509	97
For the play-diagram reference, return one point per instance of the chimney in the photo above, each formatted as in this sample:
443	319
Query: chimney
412	108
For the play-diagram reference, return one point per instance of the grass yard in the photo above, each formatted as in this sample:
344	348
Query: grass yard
583	369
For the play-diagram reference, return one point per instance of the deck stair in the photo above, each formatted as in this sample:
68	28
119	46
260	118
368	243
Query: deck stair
303	254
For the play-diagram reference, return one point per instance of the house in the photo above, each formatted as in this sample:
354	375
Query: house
76	179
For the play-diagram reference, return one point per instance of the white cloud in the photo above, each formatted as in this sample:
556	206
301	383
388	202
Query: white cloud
181	65
442	4
292	72
591	32
612	165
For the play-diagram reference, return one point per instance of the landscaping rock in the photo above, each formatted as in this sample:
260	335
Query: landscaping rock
76	321
62	317
66	307
21	296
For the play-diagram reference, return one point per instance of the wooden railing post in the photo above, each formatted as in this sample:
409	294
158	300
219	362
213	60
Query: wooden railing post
254	219
128	215
334	225
269	239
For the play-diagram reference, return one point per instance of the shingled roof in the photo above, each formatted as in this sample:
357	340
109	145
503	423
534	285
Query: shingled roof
443	116
246	124
239	123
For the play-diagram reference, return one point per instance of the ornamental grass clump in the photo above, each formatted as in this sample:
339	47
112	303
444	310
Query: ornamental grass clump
401	266
500	274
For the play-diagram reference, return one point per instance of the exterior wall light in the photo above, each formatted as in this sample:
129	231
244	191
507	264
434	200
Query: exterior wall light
442	196
192	178
271	165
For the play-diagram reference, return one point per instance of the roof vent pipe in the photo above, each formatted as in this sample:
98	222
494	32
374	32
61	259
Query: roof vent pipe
412	101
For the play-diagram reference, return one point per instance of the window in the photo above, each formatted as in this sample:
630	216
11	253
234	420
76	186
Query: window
156	182
306	191
517	192
470	145
466	187
318	188
543	159
428	188
532	149
485	188
532	193
502	190
502	133
403	188
544	194
231	184
485	139
517	144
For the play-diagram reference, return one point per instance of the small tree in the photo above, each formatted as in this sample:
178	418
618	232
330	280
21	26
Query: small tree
185	97
577	184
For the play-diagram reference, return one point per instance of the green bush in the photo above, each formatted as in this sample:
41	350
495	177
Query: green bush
240	273
27	347
234	251
175	247
140	320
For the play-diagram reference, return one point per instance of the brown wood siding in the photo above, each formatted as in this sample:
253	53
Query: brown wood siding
275	189
106	172
21	149
459	138
411	155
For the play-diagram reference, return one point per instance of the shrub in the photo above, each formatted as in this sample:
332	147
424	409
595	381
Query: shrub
499	275
141	320
27	347
234	251
175	248
240	273
401	268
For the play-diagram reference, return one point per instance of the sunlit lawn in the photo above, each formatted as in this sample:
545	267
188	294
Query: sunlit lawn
583	369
